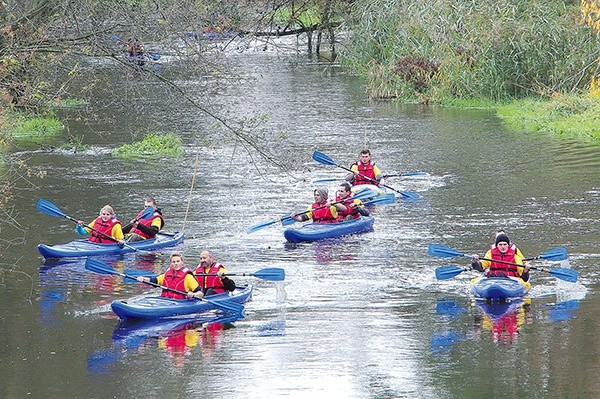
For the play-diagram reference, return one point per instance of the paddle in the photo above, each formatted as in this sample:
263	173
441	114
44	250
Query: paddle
51	209
287	219
99	267
269	274
449	271
325	160
570	275
380	200
407	174
145	214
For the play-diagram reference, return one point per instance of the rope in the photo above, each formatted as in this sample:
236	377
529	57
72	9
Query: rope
190	196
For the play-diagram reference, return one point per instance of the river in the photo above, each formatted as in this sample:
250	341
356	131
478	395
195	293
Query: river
356	317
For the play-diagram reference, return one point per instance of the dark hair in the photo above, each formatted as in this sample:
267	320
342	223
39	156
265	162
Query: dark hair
366	151
346	186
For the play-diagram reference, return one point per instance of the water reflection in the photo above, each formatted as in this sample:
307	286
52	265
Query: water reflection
177	337
502	321
64	281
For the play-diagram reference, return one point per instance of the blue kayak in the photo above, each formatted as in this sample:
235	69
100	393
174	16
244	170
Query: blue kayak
81	248
321	231
152	307
499	288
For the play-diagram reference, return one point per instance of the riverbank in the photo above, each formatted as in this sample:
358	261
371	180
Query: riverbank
568	115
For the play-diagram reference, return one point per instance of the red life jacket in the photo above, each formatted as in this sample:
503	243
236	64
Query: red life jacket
207	282
148	223
349	211
103	227
322	215
175	280
367	170
499	269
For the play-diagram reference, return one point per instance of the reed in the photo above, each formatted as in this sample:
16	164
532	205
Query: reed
490	49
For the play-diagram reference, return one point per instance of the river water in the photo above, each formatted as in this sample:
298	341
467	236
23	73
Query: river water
356	317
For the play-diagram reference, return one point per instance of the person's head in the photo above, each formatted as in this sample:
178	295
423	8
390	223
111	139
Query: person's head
150	201
365	156
107	213
321	194
344	190
502	242
176	260
206	259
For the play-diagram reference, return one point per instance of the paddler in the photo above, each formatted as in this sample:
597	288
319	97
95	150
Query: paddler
502	252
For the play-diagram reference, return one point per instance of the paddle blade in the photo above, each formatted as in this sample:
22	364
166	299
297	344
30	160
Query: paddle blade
227	306
154	56
49	208
80	230
555	254
146	213
364	194
382	200
323	159
442	251
99	267
287	220
260	226
446	272
270	274
132	274
409	195
565	274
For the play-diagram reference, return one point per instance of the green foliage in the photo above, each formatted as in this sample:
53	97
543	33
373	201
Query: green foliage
485	49
161	145
74	143
37	127
291	16
566	115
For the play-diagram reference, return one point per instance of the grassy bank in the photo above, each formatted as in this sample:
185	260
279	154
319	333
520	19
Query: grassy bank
568	115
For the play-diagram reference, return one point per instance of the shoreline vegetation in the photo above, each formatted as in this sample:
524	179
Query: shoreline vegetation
570	115
536	63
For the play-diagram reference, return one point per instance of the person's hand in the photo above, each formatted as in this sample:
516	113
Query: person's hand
197	295
475	258
80	222
142	279
526	266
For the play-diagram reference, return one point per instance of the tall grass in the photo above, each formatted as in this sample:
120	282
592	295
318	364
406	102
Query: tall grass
487	49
